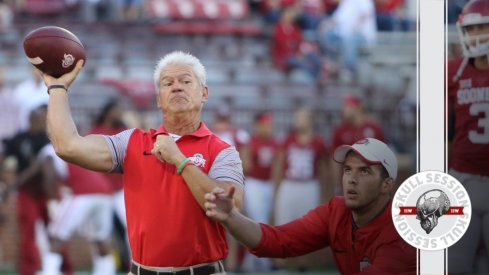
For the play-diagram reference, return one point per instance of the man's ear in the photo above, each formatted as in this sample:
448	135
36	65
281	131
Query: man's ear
205	94
387	185
158	104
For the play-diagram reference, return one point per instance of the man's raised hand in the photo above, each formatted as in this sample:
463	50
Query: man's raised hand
219	204
65	79
165	149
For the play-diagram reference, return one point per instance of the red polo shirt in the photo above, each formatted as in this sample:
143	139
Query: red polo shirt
375	248
166	225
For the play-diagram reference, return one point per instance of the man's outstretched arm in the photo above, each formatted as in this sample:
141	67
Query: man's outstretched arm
219	207
301	236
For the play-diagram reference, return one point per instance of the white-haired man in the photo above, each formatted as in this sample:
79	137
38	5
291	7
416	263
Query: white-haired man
166	171
357	226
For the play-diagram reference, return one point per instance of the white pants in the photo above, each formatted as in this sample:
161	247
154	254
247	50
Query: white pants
75	212
258	199
294	199
462	255
258	206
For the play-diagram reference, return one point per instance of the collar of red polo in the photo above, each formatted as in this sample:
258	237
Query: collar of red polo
202	131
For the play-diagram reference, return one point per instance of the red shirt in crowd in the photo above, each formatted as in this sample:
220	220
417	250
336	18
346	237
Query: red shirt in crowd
166	225
286	42
330	5
387	6
469	96
347	133
302	160
375	248
263	152
83	181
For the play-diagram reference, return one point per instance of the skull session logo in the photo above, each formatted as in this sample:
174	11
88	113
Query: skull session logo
428	210
431	210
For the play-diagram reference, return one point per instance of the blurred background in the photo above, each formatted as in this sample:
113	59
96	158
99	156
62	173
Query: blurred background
352	66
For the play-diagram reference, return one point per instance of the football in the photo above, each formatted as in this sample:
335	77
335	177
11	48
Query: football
53	50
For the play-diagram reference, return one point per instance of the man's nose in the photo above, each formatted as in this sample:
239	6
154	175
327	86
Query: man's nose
352	178
177	87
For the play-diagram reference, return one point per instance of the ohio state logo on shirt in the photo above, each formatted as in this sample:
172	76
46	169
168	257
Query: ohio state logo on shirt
198	159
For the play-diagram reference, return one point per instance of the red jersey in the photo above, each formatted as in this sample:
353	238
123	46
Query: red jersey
347	133
286	43
302	160
166	225
330	6
469	98
263	152
115	179
375	248
84	181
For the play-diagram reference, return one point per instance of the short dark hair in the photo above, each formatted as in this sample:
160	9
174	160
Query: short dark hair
383	173
109	105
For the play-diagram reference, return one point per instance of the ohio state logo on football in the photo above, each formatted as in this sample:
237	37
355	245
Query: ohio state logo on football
431	210
67	61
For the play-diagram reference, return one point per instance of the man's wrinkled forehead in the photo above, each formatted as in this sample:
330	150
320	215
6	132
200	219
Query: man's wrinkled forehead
176	70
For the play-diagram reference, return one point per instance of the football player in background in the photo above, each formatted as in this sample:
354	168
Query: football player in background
259	185
468	99
299	176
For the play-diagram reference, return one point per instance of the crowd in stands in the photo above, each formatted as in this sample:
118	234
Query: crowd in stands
321	38
324	38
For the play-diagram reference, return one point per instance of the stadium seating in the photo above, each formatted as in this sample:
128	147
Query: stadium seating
121	60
